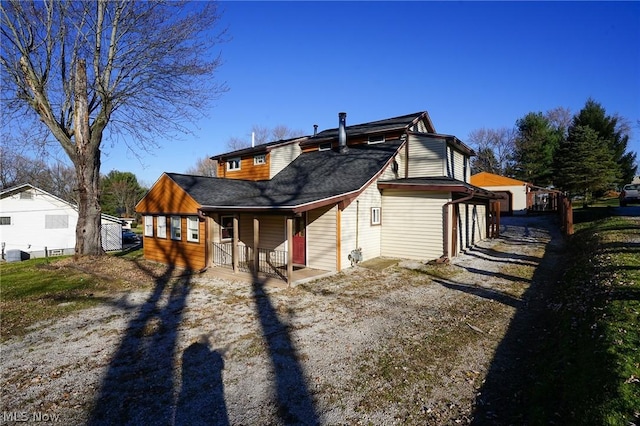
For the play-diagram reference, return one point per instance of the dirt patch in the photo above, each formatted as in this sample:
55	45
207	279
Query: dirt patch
397	343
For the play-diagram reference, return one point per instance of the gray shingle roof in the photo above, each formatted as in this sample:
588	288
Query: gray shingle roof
310	178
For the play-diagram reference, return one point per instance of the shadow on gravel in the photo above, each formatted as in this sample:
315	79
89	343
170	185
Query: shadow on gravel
294	401
138	387
485	293
500	399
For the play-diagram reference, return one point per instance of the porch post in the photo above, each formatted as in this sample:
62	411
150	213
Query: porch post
256	242
289	250
234	252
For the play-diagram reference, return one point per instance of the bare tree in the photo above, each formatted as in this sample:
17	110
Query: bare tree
497	145
560	118
143	68
204	167
262	135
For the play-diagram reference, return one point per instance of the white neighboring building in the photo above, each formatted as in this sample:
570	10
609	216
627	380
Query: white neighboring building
41	224
514	192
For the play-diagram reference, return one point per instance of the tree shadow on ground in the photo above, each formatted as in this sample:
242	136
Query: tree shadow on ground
138	387
485	293
295	404
500	400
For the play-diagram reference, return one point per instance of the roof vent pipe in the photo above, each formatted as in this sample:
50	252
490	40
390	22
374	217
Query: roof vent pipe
315	129
342	132
253	139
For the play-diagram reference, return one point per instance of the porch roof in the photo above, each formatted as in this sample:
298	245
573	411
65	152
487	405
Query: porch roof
312	180
439	184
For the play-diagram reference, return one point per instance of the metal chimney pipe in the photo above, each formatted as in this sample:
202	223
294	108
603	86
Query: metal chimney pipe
315	129
342	132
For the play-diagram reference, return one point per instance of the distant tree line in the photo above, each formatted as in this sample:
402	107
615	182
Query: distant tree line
583	154
120	191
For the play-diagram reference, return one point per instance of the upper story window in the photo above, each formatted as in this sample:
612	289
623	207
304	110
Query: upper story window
233	164
26	195
5	220
324	146
376	139
259	159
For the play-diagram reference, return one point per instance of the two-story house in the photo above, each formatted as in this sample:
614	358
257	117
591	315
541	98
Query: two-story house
392	188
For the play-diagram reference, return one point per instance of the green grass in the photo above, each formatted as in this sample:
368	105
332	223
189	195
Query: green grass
39	290
588	368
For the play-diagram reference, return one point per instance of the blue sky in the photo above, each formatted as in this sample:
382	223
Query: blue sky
469	64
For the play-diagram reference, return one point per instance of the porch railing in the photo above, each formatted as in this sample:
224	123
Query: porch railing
272	263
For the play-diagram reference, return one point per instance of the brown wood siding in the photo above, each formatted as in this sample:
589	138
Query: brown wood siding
183	253
248	170
166	197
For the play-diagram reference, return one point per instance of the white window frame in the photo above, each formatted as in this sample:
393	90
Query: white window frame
193	229
325	146
148	226
161	226
176	228
234	164
376	139
222	228
376	216
259	159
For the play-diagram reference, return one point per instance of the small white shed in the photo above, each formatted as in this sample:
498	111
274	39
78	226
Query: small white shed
513	191
36	222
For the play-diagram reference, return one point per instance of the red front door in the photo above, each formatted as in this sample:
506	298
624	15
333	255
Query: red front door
299	241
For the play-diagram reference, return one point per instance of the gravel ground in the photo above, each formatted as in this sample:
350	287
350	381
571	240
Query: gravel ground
387	342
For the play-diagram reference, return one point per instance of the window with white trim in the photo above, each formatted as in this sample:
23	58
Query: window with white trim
376	217
148	226
376	139
176	228
56	221
193	229
324	146
233	164
226	227
161	227
5	220
259	159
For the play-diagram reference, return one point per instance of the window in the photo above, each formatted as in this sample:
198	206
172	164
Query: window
375	216
5	220
324	146
193	229
233	164
26	195
226	227
376	139
161	229
259	159
148	226
56	221
176	228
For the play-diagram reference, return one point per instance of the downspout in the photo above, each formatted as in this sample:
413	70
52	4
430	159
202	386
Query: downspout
445	255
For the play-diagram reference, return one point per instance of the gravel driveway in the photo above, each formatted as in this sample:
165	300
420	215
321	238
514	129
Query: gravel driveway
387	342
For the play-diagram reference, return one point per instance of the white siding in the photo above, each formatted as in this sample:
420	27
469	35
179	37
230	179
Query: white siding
280	157
518	196
413	224
321	238
28	230
426	156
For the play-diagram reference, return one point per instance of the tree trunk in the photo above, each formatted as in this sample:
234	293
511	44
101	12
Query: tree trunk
87	163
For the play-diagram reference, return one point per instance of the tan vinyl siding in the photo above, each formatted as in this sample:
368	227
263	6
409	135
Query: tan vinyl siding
281	157
368	236
426	156
413	224
273	233
321	238
456	164
478	223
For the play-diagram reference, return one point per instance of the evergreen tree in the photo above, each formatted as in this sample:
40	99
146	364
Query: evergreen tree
584	164
120	193
535	146
612	131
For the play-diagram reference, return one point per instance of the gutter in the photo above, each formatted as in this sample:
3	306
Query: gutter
445	255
